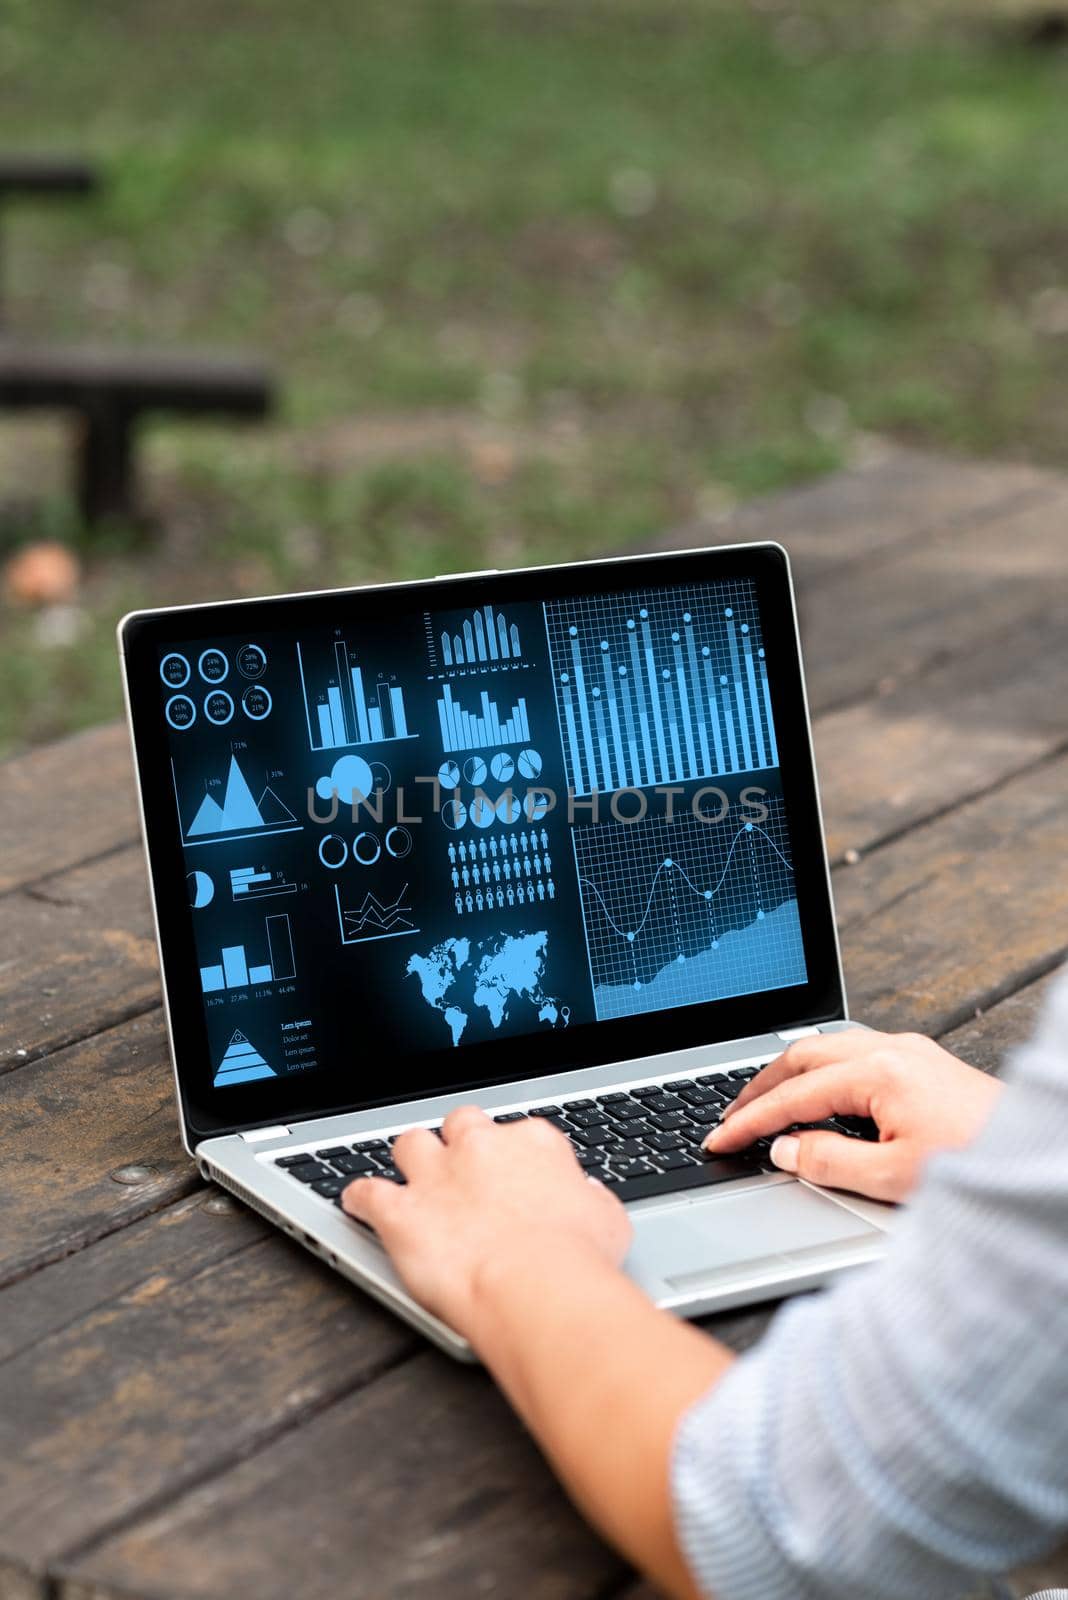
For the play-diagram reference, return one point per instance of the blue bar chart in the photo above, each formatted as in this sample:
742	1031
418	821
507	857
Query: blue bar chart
344	710
475	730
235	971
661	686
247	883
483	638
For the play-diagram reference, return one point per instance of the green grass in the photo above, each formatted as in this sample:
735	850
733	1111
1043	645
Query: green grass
541	278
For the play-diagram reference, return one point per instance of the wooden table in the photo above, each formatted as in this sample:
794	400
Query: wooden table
190	1405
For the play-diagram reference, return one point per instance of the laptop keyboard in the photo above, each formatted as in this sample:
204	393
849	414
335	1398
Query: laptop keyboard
643	1141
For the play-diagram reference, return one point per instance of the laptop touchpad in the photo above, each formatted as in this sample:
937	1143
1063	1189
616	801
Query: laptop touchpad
697	1246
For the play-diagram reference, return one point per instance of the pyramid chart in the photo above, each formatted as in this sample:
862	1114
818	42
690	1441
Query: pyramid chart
241	1063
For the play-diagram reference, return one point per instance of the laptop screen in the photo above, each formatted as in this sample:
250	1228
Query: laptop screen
474	823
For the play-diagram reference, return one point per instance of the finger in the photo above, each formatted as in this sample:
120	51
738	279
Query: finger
823	1092
417	1152
805	1055
835	1162
465	1120
372	1200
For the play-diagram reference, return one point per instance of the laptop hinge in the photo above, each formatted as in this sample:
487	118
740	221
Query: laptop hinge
796	1033
257	1135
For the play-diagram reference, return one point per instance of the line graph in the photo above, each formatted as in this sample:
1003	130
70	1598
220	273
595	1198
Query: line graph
374	919
685	911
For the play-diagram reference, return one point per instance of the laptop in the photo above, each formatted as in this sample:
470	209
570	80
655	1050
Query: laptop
544	841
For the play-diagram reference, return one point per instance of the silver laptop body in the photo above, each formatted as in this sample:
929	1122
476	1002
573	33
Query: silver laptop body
244	1029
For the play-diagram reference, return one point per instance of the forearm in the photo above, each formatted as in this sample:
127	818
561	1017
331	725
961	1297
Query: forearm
601	1378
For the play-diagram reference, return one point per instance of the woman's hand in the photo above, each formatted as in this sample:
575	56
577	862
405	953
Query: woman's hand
480	1194
921	1098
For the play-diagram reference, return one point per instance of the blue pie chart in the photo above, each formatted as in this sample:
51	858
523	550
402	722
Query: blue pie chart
201	890
529	763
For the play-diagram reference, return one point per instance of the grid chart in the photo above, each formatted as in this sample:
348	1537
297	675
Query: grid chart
661	685
685	911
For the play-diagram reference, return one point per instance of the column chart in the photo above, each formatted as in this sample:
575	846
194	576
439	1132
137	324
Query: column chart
661	686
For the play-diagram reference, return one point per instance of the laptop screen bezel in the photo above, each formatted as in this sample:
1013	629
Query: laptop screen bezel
287	1100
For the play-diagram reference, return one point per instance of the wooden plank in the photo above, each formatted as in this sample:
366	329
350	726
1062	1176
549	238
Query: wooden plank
187	1236
986	1040
911	607
77	954
65	803
66	1124
940	738
203	1346
844	520
423	1485
962	911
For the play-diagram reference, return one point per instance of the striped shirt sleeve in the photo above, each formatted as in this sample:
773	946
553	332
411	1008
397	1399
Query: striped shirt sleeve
907	1431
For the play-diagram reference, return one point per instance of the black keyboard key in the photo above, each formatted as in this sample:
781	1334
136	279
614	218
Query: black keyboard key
310	1172
665	1141
672	1160
646	1091
608	1176
329	1188
703	1097
511	1116
635	1169
705	1116
630	1149
334	1150
544	1111
721	1170
589	1160
669	1122
634	1128
354	1166
664	1102
743	1074
613	1098
578	1105
626	1108
590	1137
711	1080
292	1161
370	1145
593	1118
678	1085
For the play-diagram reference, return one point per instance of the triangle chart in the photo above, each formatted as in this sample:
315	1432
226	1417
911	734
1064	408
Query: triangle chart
241	1063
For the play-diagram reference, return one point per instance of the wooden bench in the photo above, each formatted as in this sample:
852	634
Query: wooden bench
110	390
192	1406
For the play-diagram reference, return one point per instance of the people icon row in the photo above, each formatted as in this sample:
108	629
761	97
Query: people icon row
497	898
491	849
502	871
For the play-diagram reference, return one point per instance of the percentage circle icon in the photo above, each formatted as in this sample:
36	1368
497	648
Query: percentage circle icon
180	712
218	707
529	764
366	849
174	670
256	703
398	842
449	775
502	767
333	851
251	661
475	770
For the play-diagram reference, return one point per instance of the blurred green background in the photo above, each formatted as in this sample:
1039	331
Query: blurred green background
539	278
